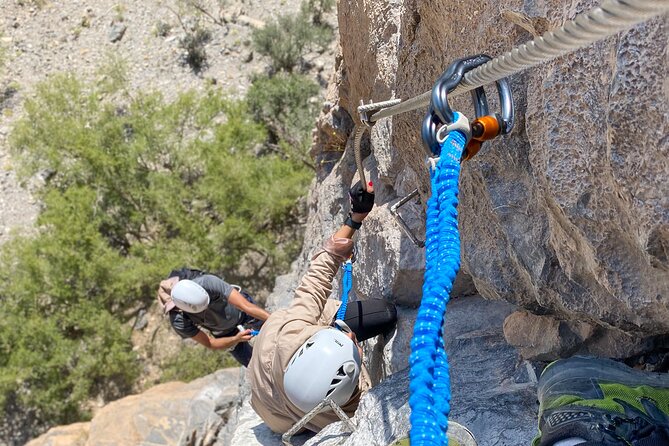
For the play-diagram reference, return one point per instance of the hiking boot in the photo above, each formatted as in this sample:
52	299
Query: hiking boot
602	402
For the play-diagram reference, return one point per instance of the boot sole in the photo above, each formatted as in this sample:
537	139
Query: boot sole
580	368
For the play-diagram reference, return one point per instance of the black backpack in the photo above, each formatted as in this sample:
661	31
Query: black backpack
190	274
186	273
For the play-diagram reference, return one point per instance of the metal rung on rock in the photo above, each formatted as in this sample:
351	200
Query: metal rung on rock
394	210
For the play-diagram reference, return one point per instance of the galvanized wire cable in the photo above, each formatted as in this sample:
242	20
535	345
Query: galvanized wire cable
610	17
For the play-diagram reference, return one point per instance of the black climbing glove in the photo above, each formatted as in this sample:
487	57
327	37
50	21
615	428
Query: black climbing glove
362	201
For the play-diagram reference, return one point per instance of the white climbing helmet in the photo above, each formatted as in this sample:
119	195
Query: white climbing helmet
189	296
327	365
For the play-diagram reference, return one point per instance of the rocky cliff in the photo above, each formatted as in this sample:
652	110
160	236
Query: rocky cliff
567	216
564	222
174	413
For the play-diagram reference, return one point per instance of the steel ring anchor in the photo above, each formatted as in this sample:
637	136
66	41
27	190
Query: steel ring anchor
485	126
439	113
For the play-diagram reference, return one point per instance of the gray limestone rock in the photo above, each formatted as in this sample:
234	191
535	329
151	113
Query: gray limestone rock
171	414
543	338
569	214
284	287
212	409
116	32
71	435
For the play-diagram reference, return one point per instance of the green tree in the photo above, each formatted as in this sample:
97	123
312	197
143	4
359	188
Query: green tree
285	104
192	362
288	37
133	187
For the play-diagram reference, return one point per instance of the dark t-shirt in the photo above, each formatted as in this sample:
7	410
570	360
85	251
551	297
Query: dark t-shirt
219	318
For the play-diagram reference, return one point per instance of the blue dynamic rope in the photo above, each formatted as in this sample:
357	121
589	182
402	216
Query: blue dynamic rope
430	382
346	285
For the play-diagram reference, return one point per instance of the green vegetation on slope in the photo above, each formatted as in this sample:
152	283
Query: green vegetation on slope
193	362
282	102
133	186
285	39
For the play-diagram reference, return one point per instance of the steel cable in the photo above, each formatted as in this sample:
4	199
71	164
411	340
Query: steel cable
610	17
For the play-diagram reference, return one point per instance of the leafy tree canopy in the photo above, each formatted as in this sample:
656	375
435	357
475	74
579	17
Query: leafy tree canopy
284	104
133	187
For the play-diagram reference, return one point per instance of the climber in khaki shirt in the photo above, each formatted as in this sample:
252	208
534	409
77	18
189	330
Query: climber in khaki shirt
299	358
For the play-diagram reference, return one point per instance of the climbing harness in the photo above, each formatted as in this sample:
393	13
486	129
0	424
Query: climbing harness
285	438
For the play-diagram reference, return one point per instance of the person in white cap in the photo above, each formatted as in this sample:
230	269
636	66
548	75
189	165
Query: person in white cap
195	300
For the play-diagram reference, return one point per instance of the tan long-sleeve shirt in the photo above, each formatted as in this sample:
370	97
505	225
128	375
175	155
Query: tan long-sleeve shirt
284	333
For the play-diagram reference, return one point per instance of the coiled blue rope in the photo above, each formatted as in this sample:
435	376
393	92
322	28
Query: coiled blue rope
430	392
346	285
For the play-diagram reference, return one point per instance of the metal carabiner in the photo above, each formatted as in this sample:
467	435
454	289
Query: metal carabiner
439	112
451	79
485	126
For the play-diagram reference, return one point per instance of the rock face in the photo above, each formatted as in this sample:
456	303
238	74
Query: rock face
564	217
178	414
71	435
544	338
569	214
